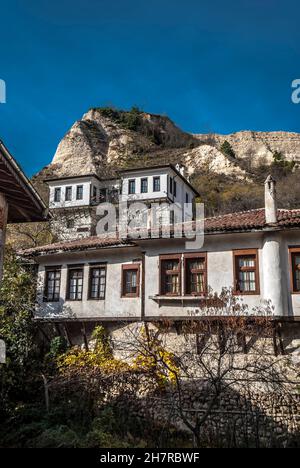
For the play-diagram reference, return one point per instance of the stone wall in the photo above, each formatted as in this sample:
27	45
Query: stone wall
257	420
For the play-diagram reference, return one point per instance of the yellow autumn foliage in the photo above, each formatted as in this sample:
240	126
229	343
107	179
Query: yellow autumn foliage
152	358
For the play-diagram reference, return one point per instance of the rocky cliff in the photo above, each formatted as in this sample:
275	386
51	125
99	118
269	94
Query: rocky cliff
105	139
102	137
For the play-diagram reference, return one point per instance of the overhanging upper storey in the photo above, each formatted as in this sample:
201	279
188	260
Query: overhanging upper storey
164	182
82	190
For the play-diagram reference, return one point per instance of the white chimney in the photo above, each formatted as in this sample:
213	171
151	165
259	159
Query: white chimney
270	200
181	169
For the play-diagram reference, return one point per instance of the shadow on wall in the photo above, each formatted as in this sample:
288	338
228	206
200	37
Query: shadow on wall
259	420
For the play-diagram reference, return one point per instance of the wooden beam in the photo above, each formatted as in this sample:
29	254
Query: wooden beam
85	340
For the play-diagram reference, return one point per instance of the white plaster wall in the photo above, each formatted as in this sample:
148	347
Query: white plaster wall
112	306
291	300
87	183
138	196
219	250
219	268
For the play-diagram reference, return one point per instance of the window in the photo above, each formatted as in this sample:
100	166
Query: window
97	282
52	285
70	224
156	184
144	185
171	185
68	193
103	194
130	280
79	192
246	274
295	267
170	275
75	284
175	188
57	194
131	186
94	194
195	274
187	198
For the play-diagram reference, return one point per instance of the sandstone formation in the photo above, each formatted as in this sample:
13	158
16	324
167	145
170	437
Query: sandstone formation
104	140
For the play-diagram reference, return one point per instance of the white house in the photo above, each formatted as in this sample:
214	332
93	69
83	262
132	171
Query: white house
107	279
19	202
74	200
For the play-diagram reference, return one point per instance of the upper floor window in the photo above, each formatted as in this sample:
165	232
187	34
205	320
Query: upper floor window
187	198
130	280
246	275
97	282
103	194
144	185
295	265
75	284
171	184
195	274
70	223
52	284
156	184
57	194
170	275
131	186
79	192
94	193
68	193
175	188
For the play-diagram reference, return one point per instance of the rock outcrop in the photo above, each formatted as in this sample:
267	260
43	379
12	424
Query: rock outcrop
105	140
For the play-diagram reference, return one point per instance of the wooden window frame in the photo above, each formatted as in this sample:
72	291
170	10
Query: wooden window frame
154	179
135	267
72	268
144	179
94	193
293	251
191	256
48	270
77	188
161	288
134	183
69	189
96	267
171	185
246	253
57	190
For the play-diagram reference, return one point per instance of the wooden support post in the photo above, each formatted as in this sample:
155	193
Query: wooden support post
85	340
275	339
68	338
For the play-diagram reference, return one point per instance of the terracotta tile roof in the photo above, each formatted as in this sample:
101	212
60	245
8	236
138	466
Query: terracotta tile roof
233	222
78	244
248	220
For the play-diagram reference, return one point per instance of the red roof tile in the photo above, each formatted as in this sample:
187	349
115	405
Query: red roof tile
233	222
78	244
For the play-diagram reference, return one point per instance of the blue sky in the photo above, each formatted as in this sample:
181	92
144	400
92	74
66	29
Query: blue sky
210	65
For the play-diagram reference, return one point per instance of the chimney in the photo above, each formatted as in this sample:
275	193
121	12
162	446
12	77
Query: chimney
181	169
270	200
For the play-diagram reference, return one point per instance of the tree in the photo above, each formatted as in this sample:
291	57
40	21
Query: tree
227	150
213	363
17	329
